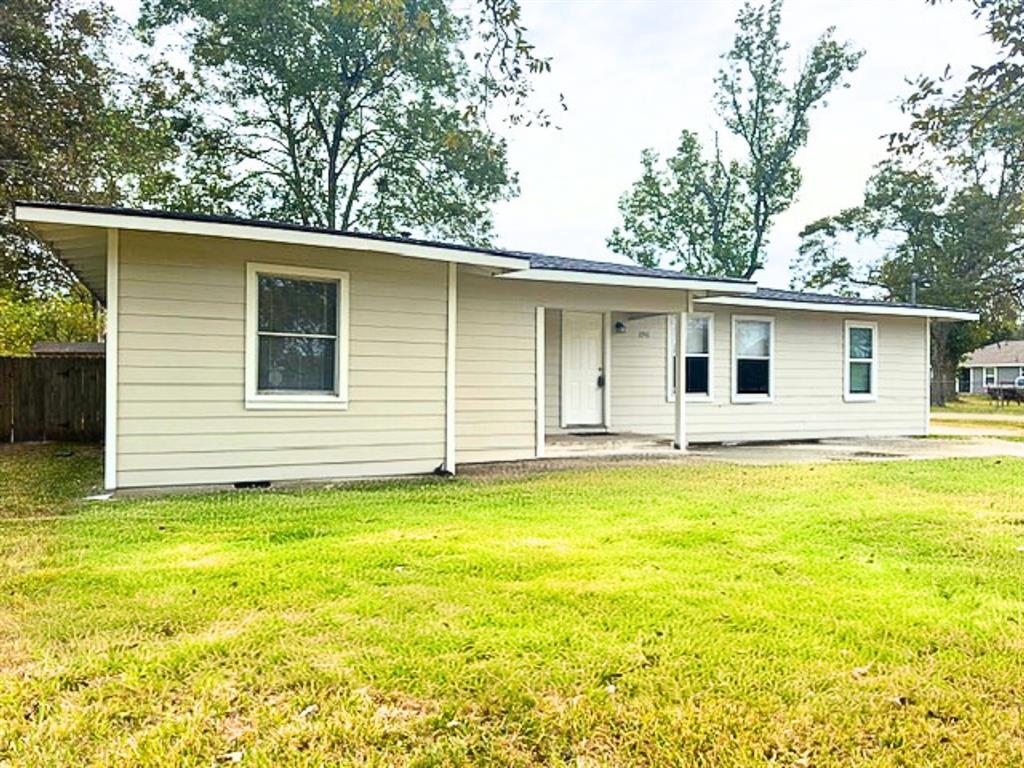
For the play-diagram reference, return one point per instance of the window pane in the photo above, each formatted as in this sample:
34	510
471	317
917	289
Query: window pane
290	305
753	338
697	335
293	363
860	378
752	377
697	375
861	344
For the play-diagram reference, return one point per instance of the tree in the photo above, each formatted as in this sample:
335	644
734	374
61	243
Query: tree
351	114
948	207
713	216
71	128
26	320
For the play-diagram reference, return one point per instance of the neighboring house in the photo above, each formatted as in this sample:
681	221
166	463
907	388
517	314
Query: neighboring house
242	351
997	365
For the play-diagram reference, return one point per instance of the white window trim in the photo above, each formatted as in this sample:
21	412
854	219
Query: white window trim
984	376
860	397
670	336
749	398
278	401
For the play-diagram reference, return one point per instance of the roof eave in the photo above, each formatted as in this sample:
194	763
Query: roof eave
933	313
30	213
627	281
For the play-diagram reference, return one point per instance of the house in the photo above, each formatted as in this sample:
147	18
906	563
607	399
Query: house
997	365
248	351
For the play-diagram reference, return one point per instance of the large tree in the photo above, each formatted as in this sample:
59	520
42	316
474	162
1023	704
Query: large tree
709	215
352	114
72	128
948	208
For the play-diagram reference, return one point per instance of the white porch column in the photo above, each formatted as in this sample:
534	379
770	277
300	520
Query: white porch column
539	373
110	410
680	416
449	370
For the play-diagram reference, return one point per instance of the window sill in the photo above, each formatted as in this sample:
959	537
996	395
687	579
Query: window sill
848	398
296	403
751	399
693	399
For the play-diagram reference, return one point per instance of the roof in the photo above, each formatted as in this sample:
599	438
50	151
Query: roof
1000	353
69	349
78	233
827	302
559	263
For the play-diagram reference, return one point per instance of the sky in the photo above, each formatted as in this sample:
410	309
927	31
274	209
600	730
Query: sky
635	73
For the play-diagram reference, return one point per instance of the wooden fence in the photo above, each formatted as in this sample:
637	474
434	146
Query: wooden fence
51	398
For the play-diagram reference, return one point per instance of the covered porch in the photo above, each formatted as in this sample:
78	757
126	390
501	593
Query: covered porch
607	381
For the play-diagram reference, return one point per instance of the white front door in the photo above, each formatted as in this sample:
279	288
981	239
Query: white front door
582	369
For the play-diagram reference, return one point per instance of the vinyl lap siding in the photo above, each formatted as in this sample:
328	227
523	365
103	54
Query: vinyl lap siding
181	415
809	360
639	402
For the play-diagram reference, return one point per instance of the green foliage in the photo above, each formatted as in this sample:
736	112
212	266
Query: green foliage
72	128
949	205
25	320
711	216
353	114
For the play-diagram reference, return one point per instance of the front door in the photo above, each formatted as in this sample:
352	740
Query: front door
582	369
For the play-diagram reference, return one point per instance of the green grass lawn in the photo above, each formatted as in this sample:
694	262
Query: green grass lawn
979	404
695	614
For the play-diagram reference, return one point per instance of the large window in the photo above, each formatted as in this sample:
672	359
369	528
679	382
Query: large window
699	343
296	337
753	344
861	375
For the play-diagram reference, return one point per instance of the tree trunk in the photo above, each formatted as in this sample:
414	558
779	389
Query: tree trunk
944	366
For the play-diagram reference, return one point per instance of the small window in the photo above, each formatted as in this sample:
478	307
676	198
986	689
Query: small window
753	344
990	377
861	362
296	337
699	342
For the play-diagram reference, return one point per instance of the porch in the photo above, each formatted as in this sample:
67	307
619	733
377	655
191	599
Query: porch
606	382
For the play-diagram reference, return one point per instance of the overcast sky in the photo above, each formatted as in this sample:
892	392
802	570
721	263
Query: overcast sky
636	72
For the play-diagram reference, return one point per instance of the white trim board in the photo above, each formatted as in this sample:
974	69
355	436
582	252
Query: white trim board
110	363
844	309
628	281
240	231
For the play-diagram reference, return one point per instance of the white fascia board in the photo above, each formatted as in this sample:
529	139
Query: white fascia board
635	281
237	231
842	309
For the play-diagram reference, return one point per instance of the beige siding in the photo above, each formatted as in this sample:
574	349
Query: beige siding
182	416
552	371
639	402
497	320
809	382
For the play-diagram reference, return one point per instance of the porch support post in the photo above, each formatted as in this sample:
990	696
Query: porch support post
110	362
928	375
449	370
539	373
680	415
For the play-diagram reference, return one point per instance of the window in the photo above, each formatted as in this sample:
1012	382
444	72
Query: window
699	341
296	352
861	374
990	377
753	343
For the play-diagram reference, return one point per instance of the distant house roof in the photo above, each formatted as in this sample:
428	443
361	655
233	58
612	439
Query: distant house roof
1000	353
69	349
